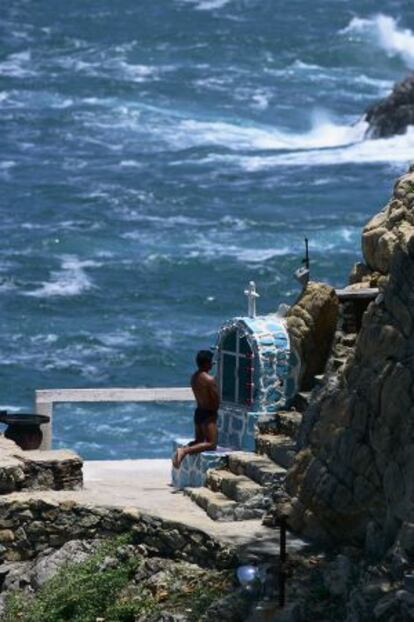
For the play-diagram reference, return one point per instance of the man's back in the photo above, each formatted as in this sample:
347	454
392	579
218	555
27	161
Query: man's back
205	390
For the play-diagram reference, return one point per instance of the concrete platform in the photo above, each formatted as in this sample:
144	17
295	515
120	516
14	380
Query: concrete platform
145	485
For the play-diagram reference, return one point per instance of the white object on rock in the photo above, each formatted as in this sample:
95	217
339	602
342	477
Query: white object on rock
251	294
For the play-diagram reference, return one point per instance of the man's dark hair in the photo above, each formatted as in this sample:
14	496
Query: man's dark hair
203	357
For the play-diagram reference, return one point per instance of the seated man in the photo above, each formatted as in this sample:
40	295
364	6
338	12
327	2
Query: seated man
205	417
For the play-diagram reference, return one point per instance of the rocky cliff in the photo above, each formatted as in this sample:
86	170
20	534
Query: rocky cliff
393	114
353	480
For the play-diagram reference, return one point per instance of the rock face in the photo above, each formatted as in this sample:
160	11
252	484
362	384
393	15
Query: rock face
353	481
393	114
311	323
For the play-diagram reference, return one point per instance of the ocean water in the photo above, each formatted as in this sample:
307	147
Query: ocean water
155	157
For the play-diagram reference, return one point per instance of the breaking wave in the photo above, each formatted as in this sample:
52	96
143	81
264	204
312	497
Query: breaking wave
399	149
71	280
324	133
386	34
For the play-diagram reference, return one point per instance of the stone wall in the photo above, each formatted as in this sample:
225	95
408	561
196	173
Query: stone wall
30	526
354	481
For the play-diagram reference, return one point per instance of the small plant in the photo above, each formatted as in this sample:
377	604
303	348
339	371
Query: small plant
79	592
103	587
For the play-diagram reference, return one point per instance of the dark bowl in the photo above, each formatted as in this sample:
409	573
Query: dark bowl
23	419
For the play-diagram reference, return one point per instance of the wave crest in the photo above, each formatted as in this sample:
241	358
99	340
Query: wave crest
325	133
386	34
71	280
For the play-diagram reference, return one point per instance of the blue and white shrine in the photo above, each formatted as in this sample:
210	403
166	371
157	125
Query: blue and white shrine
257	374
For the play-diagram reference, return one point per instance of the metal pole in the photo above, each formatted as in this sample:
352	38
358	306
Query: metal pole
307	253
282	562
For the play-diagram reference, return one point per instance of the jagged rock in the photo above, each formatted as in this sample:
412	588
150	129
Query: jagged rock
231	608
393	114
407	540
311	323
356	467
338	576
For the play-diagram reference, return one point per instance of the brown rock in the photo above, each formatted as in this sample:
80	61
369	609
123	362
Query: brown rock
355	475
311	323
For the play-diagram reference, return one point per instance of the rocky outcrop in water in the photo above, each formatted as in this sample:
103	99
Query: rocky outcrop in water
394	113
353	481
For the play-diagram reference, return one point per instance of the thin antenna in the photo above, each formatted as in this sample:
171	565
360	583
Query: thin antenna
302	274
306	260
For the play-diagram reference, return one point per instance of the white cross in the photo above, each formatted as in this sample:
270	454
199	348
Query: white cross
251	294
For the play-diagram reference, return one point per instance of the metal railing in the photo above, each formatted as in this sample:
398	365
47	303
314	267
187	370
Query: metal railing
46	399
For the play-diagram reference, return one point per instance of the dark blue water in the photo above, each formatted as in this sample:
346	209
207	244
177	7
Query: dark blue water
155	157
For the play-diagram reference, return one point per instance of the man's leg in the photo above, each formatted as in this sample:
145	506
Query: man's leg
210	442
199	435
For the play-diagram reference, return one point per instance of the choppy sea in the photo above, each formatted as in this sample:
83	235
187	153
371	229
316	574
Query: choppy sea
155	157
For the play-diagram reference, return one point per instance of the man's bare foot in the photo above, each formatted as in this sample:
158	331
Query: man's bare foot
178	458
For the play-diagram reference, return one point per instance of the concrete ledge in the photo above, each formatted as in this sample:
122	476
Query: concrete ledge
144	487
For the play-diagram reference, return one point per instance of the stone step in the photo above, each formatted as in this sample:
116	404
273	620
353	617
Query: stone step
216	505
221	508
268	424
257	467
289	422
237	487
285	422
280	448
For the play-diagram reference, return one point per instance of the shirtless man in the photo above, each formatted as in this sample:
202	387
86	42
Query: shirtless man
205	417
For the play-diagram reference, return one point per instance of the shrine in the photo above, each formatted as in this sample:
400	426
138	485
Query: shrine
257	374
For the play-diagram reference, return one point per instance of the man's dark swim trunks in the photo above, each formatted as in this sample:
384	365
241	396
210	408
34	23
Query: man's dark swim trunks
202	415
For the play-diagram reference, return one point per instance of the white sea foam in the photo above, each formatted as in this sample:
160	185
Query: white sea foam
7	164
118	339
130	164
298	64
7	285
71	280
64	103
253	255
324	133
208	249
207	5
137	73
386	34
260	100
396	149
17	65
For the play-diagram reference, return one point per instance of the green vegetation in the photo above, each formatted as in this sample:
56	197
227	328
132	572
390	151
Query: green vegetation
103	587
